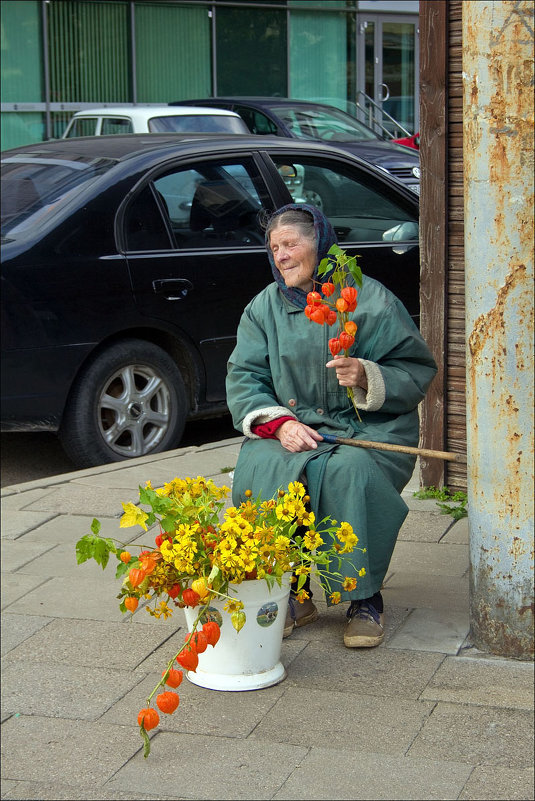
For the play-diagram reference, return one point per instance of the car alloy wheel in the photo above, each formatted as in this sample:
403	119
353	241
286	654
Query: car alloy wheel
134	410
130	401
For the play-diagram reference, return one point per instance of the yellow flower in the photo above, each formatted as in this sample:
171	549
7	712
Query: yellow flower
281	542
349	584
248	511
166	490
285	510
265	552
296	488
229	561
133	516
248	558
302	596
161	611
245	528
302	570
307	519
347	536
165	612
335	597
312	540
233	605
345	532
362	571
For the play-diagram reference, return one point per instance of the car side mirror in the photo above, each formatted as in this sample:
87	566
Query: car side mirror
402	232
294	178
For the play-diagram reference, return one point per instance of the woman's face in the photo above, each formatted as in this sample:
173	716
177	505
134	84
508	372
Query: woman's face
294	256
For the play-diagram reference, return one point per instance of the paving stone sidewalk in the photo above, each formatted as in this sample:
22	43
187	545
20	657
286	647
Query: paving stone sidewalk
423	716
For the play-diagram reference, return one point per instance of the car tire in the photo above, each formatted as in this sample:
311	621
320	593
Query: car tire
129	402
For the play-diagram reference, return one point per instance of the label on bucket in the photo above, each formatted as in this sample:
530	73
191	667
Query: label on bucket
211	614
267	614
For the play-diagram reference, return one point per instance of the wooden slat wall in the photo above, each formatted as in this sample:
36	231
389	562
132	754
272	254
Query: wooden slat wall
433	226
455	477
443	412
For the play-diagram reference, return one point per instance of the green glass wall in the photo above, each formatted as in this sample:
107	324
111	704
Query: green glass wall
251	51
304	48
21	71
322	58
173	52
21	55
89	52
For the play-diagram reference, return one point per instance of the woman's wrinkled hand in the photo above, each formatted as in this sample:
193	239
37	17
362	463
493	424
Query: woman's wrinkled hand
297	437
349	371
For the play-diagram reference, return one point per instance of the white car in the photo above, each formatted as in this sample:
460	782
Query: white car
153	119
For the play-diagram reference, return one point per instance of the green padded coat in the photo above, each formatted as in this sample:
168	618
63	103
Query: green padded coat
278	368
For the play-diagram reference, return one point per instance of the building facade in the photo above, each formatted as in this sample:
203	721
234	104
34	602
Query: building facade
59	56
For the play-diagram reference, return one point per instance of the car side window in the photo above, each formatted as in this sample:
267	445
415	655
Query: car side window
257	122
116	125
359	208
214	204
85	126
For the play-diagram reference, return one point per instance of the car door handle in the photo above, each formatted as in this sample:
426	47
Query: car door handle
172	288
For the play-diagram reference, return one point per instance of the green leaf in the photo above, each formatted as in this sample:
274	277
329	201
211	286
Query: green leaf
444	494
355	271
324	266
457	512
270	580
214	572
146	495
95	526
146	741
168	524
335	250
121	569
96	548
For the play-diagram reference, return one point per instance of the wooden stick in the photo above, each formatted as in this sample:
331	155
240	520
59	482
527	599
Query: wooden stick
385	446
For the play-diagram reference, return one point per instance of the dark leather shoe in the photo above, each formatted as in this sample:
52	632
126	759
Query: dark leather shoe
299	615
366	626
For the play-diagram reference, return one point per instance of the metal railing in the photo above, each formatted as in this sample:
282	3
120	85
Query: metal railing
373	116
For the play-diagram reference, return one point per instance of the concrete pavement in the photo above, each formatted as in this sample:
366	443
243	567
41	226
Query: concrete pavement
423	716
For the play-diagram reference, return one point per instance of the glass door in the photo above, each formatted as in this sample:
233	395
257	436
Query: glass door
387	48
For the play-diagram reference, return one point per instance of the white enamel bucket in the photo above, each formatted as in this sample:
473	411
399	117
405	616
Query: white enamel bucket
248	659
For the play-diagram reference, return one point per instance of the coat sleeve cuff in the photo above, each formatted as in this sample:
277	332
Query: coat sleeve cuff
263	416
372	399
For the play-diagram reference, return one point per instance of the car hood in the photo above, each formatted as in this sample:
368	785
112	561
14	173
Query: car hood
383	154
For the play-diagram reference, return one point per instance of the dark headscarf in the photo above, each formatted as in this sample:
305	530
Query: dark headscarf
325	238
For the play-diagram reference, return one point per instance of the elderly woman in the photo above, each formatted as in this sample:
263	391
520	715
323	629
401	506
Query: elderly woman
282	393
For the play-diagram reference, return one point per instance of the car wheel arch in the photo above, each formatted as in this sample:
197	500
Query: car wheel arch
178	349
129	400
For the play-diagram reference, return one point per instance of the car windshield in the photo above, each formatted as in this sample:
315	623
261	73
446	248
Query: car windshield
330	125
197	123
32	185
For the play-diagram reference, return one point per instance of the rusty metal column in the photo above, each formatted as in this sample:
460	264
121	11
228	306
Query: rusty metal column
498	214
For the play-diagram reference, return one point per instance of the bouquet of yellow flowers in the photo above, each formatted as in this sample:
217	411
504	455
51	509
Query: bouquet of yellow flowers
201	549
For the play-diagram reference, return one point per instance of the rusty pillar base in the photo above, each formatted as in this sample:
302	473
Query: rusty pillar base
496	630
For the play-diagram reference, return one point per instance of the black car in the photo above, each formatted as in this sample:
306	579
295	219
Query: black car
127	262
319	122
